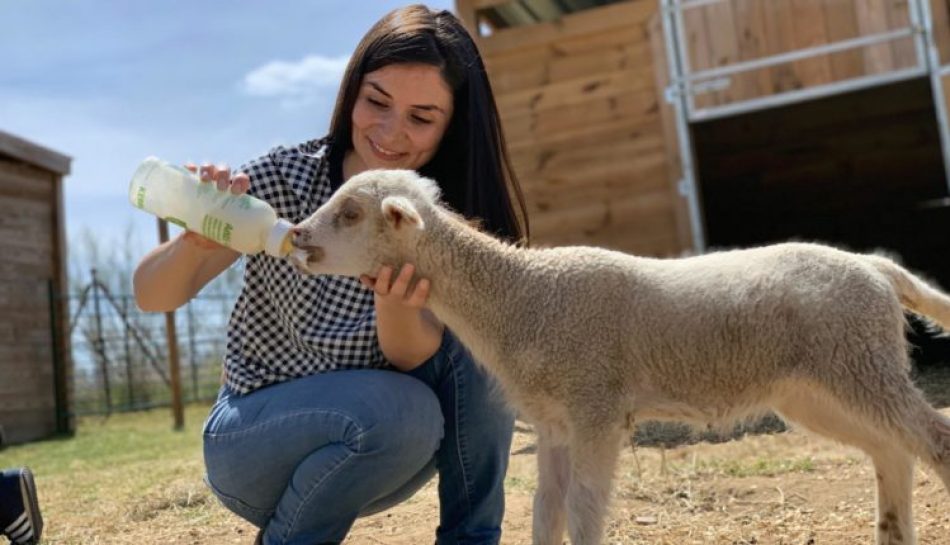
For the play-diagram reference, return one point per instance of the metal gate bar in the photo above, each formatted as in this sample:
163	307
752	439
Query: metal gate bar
922	9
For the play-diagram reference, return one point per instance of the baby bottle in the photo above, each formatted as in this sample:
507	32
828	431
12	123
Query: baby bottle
240	222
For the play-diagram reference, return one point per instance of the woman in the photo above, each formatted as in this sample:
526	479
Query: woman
342	399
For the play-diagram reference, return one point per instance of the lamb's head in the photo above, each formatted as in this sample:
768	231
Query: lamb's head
375	218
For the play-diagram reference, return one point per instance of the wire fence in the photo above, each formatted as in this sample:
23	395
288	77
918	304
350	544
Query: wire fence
120	354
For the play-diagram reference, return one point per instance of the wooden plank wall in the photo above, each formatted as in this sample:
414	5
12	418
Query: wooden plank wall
579	105
28	198
740	30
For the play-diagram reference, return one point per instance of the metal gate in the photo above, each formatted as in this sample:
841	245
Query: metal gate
686	84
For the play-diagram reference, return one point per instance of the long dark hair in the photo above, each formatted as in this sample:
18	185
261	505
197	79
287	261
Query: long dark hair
471	164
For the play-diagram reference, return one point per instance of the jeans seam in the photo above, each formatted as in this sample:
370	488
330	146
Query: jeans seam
315	487
234	434
461	444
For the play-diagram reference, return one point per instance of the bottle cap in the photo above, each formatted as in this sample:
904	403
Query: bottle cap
276	238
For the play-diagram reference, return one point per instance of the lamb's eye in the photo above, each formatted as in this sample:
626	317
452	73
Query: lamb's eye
350	215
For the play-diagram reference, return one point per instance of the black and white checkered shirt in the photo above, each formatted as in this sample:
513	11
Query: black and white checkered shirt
286	325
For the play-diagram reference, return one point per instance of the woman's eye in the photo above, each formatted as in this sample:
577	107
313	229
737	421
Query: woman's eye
421	120
376	103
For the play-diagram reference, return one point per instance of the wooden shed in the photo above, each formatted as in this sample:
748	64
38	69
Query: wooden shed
668	126
34	353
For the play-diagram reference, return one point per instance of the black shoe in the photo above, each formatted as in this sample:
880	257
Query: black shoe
20	518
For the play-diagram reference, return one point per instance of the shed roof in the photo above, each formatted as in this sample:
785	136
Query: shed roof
510	13
34	154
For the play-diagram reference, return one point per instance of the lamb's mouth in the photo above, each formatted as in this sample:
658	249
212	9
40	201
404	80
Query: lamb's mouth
305	256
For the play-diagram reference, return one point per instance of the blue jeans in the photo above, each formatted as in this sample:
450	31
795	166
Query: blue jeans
304	458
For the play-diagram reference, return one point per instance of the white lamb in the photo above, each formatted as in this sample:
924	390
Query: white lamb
586	341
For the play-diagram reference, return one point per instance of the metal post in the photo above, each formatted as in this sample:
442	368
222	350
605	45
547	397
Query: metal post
914	17
936	84
99	345
680	96
173	361
130	389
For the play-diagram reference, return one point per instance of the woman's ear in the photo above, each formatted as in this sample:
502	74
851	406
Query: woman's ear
400	213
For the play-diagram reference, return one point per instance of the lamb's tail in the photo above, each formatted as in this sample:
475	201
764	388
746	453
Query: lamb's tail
914	293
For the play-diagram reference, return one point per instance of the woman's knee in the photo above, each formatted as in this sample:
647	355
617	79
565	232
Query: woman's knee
406	420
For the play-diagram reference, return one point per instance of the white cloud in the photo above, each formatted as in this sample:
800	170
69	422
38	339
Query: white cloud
295	79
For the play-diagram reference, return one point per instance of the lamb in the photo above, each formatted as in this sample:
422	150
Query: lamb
585	342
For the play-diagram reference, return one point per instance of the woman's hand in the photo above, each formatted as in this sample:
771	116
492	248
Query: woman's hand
221	176
408	333
175	271
399	293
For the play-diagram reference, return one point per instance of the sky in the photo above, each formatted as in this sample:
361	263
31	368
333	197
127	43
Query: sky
110	82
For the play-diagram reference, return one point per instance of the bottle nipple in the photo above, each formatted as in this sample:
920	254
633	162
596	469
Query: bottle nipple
278	243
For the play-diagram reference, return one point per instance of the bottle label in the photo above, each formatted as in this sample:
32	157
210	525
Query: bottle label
216	229
176	221
140	197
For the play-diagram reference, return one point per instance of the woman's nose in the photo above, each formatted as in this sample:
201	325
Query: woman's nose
391	128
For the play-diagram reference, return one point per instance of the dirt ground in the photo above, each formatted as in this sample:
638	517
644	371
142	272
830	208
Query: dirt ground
784	489
790	488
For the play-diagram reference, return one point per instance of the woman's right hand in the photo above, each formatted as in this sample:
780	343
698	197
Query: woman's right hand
219	175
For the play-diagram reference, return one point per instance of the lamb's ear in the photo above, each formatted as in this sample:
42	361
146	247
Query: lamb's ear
400	212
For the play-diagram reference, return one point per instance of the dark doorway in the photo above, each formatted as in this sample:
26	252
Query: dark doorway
862	171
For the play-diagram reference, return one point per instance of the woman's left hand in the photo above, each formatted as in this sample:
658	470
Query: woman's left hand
399	292
409	334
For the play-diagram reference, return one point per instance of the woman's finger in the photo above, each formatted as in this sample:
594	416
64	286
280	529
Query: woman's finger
383	279
420	294
401	286
368	281
240	183
222	176
206	172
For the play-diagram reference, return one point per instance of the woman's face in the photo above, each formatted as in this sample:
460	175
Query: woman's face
399	118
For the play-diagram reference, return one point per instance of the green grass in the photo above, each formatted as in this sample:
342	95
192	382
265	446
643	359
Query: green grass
120	478
105	443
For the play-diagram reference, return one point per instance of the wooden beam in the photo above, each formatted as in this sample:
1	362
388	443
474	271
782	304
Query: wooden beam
485	4
63	376
171	332
35	154
468	14
591	21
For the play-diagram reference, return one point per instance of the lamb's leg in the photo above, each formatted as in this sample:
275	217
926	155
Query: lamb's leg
939	458
553	477
593	457
888	449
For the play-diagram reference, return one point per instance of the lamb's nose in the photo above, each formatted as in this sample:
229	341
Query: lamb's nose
299	237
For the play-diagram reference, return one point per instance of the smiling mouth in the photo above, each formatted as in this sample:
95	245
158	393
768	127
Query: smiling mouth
383	152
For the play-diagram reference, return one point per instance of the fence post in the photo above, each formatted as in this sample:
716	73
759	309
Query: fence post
191	351
60	374
129	377
99	345
173	361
